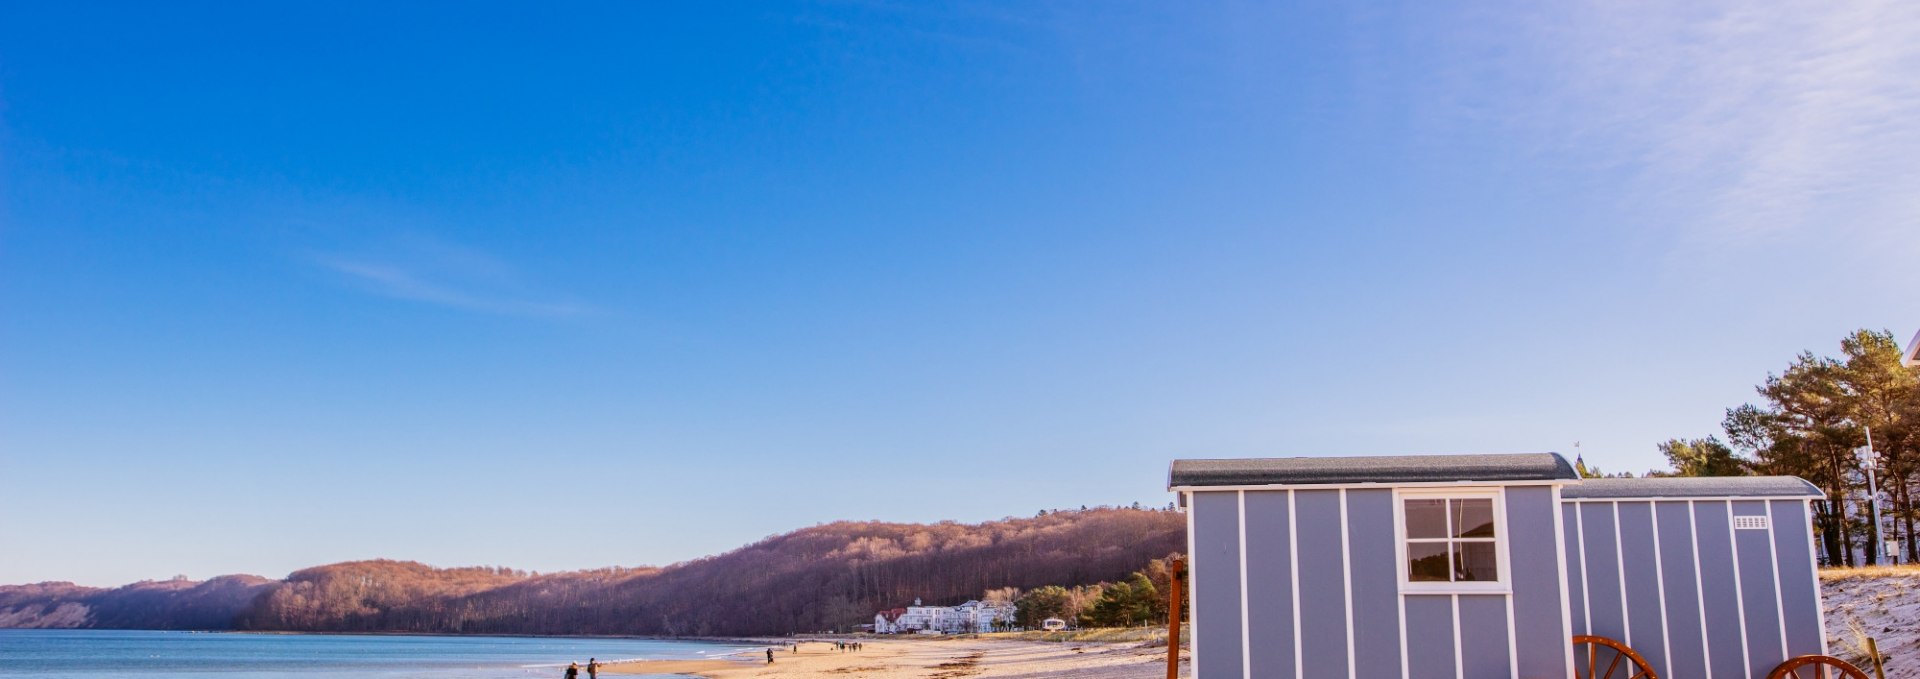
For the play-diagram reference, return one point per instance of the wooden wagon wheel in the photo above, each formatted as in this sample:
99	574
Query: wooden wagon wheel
1621	662
1816	667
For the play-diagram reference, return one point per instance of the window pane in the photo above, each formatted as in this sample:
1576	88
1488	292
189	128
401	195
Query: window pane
1475	562
1426	562
1426	518
1472	518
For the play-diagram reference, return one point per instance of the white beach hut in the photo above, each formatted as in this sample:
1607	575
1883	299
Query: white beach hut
1477	566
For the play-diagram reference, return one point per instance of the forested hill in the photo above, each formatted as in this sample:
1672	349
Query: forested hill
166	604
824	577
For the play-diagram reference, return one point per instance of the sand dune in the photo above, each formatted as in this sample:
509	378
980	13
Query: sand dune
1881	602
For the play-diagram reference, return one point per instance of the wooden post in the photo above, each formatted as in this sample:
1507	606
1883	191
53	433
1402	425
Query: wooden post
1179	576
1873	650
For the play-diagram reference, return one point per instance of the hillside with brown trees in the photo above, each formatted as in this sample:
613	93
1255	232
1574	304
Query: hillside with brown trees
825	577
156	604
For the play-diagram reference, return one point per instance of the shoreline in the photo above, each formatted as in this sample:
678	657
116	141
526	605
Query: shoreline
745	641
888	657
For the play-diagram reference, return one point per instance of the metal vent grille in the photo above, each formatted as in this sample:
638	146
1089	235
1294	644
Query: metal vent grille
1750	523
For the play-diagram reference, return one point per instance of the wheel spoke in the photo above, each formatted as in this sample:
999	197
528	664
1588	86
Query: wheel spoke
1817	667
1623	658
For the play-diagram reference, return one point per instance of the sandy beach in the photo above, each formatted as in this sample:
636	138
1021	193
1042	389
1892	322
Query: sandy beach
932	658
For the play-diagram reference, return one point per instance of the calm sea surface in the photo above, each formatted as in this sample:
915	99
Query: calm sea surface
114	653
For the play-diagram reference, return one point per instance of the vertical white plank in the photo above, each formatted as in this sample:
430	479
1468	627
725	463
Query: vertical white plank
1293	552
1346	559
1246	636
1779	603
1740	593
1566	595
1699	589
1193	600
1660	585
1620	567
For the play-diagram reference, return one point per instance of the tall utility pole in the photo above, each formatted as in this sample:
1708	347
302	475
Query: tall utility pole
1868	460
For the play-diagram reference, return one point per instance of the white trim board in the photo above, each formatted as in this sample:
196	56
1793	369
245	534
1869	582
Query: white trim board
1739	592
1566	595
1620	567
1293	554
1660	584
1459	652
1813	568
1346	574
1586	573
1246	635
1193	596
1699	590
1779	602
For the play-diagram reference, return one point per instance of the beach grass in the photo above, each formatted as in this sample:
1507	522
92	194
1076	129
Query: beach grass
1155	636
1844	574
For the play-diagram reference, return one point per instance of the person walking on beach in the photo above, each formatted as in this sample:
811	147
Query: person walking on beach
593	668
573	671
769	656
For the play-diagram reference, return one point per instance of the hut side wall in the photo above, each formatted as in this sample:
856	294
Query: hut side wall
1376	578
1685	630
1697	597
1215	532
1270	584
1539	604
1310	588
1324	651
1431	638
1799	582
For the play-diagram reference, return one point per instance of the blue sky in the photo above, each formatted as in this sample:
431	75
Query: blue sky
574	286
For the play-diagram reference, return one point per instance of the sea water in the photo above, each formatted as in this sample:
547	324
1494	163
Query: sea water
152	655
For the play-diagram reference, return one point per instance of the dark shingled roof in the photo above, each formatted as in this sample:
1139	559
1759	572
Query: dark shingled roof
1384	470
1691	486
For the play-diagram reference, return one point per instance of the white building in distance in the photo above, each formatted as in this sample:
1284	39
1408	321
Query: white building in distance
970	617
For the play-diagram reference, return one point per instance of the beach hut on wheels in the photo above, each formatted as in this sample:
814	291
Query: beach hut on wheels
1486	566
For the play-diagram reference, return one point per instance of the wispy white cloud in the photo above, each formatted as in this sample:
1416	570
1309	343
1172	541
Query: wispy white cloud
1743	121
434	272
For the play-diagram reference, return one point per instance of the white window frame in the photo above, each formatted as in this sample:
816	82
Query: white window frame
1501	540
